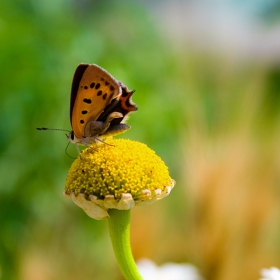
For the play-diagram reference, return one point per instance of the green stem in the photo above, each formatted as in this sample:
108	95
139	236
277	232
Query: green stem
119	225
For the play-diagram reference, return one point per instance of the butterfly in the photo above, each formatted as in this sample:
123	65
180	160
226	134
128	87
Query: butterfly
99	105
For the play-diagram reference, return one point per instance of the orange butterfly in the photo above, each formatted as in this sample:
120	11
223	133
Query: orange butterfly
99	105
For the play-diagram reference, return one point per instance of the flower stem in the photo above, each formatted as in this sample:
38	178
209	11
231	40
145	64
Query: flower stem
119	226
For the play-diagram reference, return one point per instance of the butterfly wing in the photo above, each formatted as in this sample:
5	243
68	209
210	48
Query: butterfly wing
122	104
93	88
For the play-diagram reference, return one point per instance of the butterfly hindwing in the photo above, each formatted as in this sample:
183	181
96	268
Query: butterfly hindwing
122	104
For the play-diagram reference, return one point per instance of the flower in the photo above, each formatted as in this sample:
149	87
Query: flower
117	174
150	271
271	274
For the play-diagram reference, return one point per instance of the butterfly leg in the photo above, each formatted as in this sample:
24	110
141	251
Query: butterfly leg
77	147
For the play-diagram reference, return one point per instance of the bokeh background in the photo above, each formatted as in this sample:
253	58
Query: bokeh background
207	80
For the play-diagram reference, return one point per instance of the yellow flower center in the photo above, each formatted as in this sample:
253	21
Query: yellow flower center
117	167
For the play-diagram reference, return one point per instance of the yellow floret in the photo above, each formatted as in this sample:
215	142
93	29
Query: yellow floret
119	166
117	174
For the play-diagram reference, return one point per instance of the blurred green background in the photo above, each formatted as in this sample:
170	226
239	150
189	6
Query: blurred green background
207	82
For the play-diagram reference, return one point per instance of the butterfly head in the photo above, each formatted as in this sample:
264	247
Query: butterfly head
85	140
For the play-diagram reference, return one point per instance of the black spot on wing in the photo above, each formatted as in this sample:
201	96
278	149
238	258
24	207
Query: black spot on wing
86	100
124	93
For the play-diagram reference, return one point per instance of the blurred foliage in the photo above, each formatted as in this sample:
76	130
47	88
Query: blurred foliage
201	112
42	43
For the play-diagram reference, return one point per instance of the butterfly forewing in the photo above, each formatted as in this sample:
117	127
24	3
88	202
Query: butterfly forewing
93	89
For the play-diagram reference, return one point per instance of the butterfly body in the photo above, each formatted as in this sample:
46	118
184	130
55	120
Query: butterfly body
99	105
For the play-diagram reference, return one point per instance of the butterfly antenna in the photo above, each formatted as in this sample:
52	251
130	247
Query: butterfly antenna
45	128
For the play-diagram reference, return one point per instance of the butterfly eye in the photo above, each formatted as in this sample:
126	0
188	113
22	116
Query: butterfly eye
72	135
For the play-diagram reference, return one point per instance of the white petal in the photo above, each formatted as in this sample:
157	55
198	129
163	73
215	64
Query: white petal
150	271
270	274
126	202
93	210
110	202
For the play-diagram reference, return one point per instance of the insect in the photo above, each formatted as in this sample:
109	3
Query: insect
99	105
